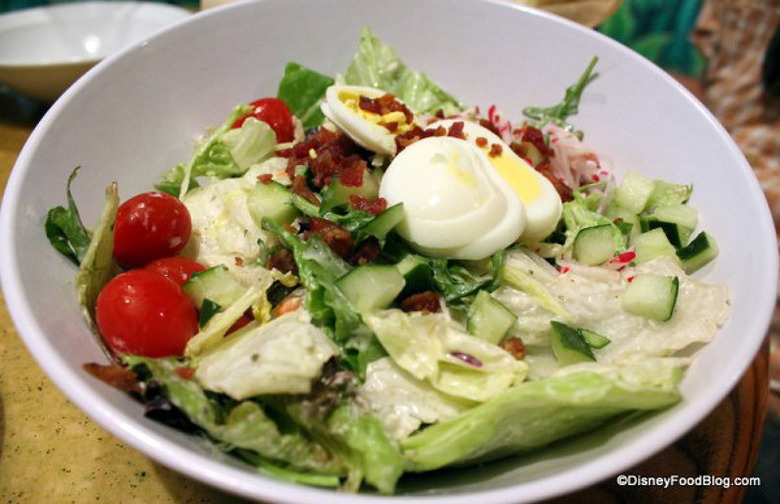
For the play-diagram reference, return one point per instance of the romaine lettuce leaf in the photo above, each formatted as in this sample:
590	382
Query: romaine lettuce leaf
377	65
529	416
431	347
302	89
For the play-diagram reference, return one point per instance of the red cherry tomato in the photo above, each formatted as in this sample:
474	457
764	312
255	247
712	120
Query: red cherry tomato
141	312
150	226
177	269
274	112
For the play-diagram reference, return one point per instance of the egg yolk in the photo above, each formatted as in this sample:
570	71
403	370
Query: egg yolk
518	174
352	101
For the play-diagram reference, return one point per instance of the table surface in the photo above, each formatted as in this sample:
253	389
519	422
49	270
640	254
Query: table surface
52	452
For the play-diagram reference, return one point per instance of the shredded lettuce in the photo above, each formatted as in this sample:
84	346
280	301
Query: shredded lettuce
377	65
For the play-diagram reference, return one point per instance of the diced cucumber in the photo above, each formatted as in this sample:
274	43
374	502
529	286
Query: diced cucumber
594	245
667	193
337	194
651	296
681	214
568	345
675	233
594	339
699	252
207	310
384	222
417	274
634	192
489	319
215	284
271	200
652	244
625	220
371	287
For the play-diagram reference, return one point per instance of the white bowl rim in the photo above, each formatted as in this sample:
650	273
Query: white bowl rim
235	481
174	12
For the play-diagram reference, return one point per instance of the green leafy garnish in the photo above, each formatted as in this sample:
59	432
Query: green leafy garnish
64	228
558	114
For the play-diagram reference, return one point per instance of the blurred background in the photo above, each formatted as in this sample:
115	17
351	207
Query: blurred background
726	52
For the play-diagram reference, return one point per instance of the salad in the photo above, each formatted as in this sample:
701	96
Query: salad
361	277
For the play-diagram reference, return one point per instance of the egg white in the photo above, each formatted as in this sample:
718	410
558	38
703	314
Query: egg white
456	205
543	205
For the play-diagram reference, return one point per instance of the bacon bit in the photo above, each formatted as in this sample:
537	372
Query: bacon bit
367	251
468	359
427	302
287	305
386	104
239	261
336	237
282	260
565	269
369	105
561	188
514	346
630	279
489	125
352	175
392	127
185	372
495	150
372	206
301	188
439	131
325	152
265	178
115	375
481	142
439	114
536	137
456	130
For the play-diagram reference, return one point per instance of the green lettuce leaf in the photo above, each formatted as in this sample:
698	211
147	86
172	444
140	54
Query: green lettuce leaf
64	228
377	65
242	425
529	416
302	89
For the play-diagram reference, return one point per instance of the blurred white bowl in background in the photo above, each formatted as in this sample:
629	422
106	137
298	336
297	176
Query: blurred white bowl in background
44	50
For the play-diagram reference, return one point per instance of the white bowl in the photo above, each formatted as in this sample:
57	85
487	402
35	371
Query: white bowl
135	115
43	50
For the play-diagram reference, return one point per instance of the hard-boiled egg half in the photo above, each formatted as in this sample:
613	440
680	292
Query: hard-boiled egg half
543	206
455	203
364	122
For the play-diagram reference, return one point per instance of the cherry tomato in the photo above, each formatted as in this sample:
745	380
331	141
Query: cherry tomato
177	269
150	226
141	312
274	112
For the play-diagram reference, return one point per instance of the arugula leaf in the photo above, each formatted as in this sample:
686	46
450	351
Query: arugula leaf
558	114
302	89
64	228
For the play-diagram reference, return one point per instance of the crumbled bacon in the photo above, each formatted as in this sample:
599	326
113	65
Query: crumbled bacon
514	346
561	188
336	237
482	142
386	104
456	130
426	301
352	174
301	188
115	375
490	125
365	252
495	150
265	178
282	260
536	137
325	152
372	206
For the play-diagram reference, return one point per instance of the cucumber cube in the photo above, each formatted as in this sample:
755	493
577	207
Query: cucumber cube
489	319
569	346
371	287
651	296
